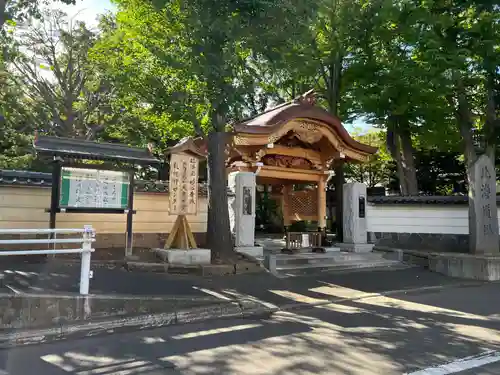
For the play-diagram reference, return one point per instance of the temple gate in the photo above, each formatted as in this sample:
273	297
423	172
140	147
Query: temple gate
295	143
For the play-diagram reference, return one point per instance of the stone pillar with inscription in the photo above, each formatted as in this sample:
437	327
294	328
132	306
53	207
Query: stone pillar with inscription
483	214
354	219
242	212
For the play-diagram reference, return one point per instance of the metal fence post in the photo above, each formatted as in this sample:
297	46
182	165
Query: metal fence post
88	235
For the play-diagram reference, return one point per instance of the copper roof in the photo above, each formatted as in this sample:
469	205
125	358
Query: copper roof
82	149
189	145
301	107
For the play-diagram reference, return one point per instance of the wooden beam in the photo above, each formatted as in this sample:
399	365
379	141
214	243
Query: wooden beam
181	236
297	152
290	174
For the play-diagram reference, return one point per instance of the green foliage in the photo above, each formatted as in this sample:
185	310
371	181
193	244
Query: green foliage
458	46
14	129
440	173
377	171
160	70
58	92
267	210
14	11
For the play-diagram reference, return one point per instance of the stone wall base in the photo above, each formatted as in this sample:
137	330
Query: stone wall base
186	257
466	266
356	247
253	251
454	243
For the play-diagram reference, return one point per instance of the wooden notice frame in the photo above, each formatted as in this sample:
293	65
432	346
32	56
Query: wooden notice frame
55	207
102	188
67	152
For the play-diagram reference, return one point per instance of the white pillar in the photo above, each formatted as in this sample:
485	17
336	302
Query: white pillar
242	212
354	217
85	273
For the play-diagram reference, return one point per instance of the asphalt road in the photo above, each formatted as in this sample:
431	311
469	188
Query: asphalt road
409	332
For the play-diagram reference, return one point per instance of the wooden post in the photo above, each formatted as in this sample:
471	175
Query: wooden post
54	197
181	236
130	215
339	189
321	204
285	208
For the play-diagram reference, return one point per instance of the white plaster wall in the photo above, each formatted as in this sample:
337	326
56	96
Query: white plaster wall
414	218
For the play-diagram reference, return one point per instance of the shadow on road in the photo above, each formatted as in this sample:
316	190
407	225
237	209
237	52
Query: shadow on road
373	335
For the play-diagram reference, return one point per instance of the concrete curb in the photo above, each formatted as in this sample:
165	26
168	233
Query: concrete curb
231	309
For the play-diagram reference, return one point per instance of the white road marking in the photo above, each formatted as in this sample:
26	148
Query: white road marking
72	362
131	368
462	364
215	331
58	361
15	290
212	293
251	298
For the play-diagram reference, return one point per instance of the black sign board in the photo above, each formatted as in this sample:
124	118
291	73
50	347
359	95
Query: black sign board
362	207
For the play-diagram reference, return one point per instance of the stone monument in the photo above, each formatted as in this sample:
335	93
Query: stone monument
242	212
483	214
354	219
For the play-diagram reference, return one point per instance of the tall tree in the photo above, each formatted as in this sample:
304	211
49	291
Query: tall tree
20	10
203	52
52	67
459	45
14	125
385	86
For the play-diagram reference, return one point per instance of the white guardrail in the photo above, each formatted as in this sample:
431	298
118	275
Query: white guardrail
87	237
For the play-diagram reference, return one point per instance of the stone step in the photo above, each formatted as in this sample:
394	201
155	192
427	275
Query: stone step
303	271
327	258
373	264
278	262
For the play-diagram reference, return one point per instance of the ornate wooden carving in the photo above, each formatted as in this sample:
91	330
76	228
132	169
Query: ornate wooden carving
287	162
292	139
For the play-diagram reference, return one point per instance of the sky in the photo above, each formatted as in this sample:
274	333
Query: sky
89	10
85	10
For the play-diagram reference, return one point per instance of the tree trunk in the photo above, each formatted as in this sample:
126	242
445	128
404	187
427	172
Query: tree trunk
491	122
465	125
332	82
3	5
395	151
219	238
401	149
408	163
